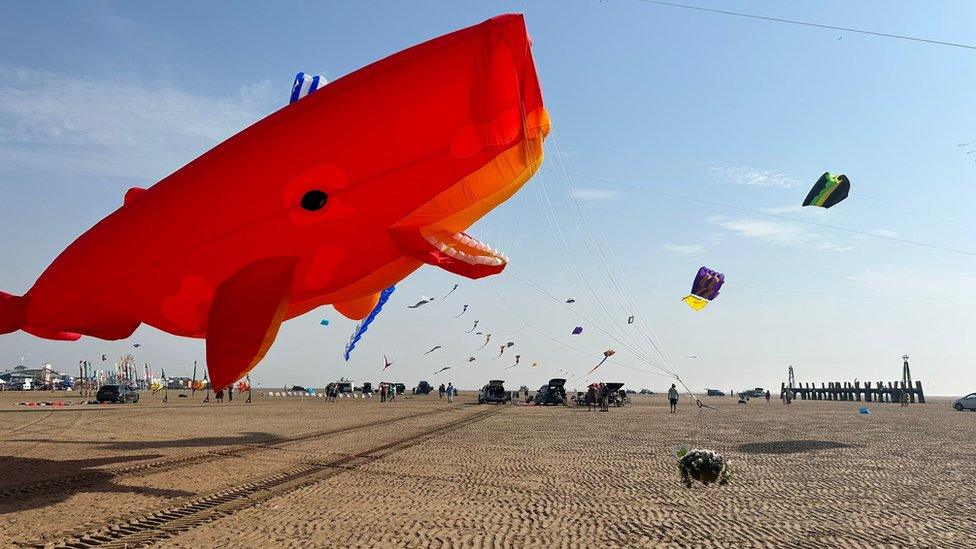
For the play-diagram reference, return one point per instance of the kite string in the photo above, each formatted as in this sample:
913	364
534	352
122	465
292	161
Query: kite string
619	293
809	24
535	286
773	215
614	285
850	296
559	342
569	258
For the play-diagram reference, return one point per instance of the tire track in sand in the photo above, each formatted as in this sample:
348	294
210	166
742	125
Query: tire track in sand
166	523
99	476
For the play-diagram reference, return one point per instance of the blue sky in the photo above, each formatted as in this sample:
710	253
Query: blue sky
97	97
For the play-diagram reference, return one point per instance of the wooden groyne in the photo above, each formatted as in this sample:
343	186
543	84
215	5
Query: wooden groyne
856	392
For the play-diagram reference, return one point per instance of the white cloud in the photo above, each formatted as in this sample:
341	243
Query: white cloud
591	194
686	249
830	246
890	282
883	232
769	231
781	233
753	177
72	125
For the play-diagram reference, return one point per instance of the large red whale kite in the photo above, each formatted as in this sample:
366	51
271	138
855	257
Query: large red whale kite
327	201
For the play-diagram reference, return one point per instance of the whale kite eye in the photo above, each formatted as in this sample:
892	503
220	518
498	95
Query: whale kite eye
314	200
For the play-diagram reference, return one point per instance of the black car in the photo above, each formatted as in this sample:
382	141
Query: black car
617	397
117	393
553	393
423	388
714	392
367	388
494	392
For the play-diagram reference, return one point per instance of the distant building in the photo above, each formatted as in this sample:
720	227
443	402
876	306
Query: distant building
31	378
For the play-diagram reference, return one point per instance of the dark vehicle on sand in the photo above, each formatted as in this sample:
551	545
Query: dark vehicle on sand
714	393
117	393
552	394
422	388
494	392
618	397
367	388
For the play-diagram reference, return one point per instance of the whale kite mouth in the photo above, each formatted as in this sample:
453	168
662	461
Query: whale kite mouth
455	252
462	254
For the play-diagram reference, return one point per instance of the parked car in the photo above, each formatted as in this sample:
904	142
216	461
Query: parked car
367	388
423	388
494	392
117	393
400	388
967	402
553	393
714	393
617	395
646	392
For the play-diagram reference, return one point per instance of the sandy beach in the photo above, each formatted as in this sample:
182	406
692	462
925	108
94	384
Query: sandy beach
291	472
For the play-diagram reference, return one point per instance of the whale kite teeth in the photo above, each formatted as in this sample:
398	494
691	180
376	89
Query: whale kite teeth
466	248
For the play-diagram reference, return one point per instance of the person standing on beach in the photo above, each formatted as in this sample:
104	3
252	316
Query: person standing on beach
393	391
450	392
604	393
767	396
673	399
230	393
440	391
382	392
591	398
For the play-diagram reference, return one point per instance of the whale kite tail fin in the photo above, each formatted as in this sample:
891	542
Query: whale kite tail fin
13	312
13	317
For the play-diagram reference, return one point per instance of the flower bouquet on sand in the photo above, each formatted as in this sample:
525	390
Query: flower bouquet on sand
702	465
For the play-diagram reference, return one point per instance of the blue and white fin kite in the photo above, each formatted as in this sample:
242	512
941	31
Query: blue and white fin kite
357	334
305	84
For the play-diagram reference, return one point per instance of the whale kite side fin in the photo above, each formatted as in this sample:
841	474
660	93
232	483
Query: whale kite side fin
247	311
357	309
364	325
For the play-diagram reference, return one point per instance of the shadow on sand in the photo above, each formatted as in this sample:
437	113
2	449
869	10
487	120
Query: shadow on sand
30	483
790	446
